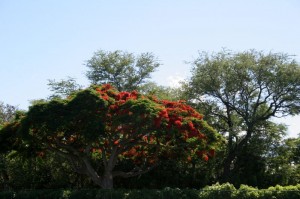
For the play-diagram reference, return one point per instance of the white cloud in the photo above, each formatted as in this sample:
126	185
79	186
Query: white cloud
174	80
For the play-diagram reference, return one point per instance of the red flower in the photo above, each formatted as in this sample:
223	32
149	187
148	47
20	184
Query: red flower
105	97
178	123
106	86
95	150
145	138
116	142
41	154
163	113
201	135
132	152
113	107
191	126
205	157
134	95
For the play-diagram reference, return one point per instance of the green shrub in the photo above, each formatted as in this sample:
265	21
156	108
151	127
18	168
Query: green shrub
246	192
144	194
279	192
218	191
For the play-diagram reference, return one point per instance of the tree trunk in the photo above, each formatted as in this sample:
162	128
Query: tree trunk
232	154
5	179
227	166
107	181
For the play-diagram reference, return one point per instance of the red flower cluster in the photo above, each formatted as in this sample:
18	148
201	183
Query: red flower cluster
205	154
179	115
126	96
176	119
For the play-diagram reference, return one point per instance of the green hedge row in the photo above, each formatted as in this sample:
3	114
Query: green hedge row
217	191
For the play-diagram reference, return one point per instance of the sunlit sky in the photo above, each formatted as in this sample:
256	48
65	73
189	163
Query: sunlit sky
52	39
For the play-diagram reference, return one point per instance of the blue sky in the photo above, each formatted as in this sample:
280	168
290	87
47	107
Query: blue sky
52	39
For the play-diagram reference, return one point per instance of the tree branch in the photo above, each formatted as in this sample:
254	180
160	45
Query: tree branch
135	172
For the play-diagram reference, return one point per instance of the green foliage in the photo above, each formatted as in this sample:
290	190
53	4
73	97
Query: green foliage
247	192
217	191
98	128
161	92
240	93
121	69
63	88
282	163
7	113
40	171
280	192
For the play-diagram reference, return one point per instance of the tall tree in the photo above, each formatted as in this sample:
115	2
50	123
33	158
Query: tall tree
161	92
7	113
98	128
123	70
283	165
63	88
242	91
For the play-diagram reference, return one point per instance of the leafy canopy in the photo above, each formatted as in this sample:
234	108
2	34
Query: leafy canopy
123	70
242	92
102	126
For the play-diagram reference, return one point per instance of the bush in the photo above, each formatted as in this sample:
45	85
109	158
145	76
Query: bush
216	191
246	192
279	192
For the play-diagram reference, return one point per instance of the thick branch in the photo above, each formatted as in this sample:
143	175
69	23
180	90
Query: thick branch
135	172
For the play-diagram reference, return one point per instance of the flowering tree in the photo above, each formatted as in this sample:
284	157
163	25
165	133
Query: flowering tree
101	126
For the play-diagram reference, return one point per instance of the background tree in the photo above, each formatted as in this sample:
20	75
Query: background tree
63	88
161	92
283	165
123	70
7	114
242	91
99	128
252	163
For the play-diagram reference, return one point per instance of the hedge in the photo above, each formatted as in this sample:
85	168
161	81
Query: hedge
216	191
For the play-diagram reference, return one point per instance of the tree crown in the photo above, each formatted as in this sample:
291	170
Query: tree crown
123	70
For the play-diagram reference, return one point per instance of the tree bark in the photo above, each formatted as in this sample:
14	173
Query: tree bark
232	154
227	166
107	181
